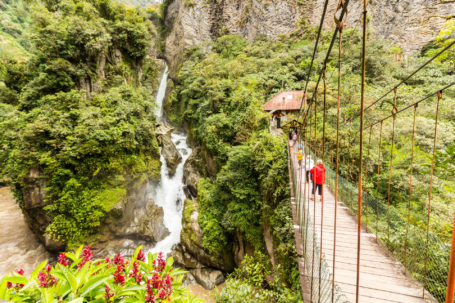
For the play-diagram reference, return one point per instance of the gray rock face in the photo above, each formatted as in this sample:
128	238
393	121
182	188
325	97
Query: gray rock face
193	171
409	24
208	278
190	253
135	221
168	149
204	21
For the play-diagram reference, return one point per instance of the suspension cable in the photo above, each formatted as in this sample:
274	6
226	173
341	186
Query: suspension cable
411	105
439	96
337	168
394	110
326	59
412	74
366	173
410	186
362	102
379	169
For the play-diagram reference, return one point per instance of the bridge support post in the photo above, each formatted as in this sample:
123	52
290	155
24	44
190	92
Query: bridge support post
451	277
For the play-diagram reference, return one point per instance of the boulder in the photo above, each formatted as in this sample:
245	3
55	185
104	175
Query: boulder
193	171
53	245
191	243
207	277
168	149
143	223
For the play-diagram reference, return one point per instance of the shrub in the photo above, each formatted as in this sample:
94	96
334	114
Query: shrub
78	278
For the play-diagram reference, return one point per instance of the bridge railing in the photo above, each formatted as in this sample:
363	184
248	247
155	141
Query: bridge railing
316	270
427	263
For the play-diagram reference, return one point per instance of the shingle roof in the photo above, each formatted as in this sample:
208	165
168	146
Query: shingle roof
288	100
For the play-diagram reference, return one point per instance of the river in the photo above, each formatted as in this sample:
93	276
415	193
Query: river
19	246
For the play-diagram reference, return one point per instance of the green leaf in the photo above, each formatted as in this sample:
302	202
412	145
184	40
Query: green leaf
72	281
78	300
16	279
129	291
94	283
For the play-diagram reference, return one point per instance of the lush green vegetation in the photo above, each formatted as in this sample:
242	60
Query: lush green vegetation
77	115
78	278
219	94
249	284
14	37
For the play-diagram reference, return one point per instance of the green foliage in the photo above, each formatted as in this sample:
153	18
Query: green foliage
78	278
256	281
75	118
219	95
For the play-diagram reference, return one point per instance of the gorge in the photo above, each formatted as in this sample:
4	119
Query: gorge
122	127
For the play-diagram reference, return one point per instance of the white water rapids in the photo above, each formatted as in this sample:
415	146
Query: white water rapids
168	193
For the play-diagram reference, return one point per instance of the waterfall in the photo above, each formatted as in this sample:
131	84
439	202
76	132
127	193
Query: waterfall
168	193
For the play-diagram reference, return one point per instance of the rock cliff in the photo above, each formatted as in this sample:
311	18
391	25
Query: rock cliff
193	23
409	24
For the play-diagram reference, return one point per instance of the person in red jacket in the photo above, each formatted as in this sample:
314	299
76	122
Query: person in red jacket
318	177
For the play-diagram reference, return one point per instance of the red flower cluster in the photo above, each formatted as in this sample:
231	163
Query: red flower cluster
136	274
160	263
63	260
86	256
20	271
118	260
108	294
119	275
46	279
149	296
140	256
164	285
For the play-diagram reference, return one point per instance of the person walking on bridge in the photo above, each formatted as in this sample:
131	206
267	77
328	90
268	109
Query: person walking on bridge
299	154
318	177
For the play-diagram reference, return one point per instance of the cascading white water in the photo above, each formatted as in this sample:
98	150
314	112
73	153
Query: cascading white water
161	94
168	193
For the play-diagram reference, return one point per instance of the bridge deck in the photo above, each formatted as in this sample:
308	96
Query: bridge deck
382	277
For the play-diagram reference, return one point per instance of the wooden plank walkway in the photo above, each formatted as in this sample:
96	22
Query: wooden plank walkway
382	277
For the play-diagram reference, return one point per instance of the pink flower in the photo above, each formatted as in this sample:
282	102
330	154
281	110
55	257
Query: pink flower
46	280
108	294
20	271
141	256
136	274
162	294
149	297
63	260
48	268
159	264
119	277
86	256
118	260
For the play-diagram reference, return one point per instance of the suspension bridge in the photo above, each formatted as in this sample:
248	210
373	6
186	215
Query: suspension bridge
353	245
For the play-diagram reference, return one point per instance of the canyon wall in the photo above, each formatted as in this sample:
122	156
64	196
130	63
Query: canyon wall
409	24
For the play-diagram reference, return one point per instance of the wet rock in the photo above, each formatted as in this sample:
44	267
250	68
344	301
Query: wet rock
53	245
207	277
152	223
168	149
191	243
241	248
193	171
